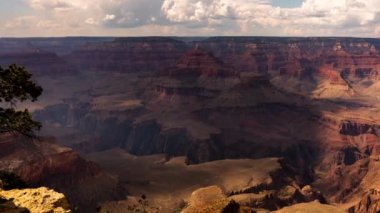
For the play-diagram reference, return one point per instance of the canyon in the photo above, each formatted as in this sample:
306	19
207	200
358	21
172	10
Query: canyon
268	123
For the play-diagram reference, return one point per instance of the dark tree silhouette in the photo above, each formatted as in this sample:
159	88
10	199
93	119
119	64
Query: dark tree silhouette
16	86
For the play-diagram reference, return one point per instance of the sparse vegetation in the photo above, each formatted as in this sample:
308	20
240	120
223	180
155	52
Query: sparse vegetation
143	206
287	192
16	86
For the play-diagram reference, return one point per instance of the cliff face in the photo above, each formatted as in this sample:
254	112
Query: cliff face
357	57
44	163
128	55
297	57
60	46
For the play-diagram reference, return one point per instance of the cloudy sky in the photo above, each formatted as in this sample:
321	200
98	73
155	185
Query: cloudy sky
23	18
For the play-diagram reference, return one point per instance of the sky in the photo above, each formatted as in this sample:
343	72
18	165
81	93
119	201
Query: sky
30	18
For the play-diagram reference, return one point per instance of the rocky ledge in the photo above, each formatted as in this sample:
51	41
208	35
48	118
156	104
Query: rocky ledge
33	200
211	199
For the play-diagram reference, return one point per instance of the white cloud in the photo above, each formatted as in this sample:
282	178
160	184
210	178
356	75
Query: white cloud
109	17
205	17
314	17
91	21
202	11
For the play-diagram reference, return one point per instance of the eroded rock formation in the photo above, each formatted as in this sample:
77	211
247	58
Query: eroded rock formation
311	101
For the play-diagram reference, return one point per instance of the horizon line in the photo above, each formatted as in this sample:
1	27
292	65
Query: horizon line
195	36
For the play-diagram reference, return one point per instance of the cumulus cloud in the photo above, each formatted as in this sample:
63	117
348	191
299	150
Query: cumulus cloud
338	16
207	17
134	13
109	13
314	17
207	10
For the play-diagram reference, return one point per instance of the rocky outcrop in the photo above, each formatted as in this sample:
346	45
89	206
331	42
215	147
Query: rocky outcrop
350	157
252	190
314	207
44	163
211	199
38	200
354	128
369	203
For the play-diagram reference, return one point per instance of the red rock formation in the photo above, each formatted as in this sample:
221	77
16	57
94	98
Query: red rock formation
369	203
329	73
44	163
197	62
354	57
297	57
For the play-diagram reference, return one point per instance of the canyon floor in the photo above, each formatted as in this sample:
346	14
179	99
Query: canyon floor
168	183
